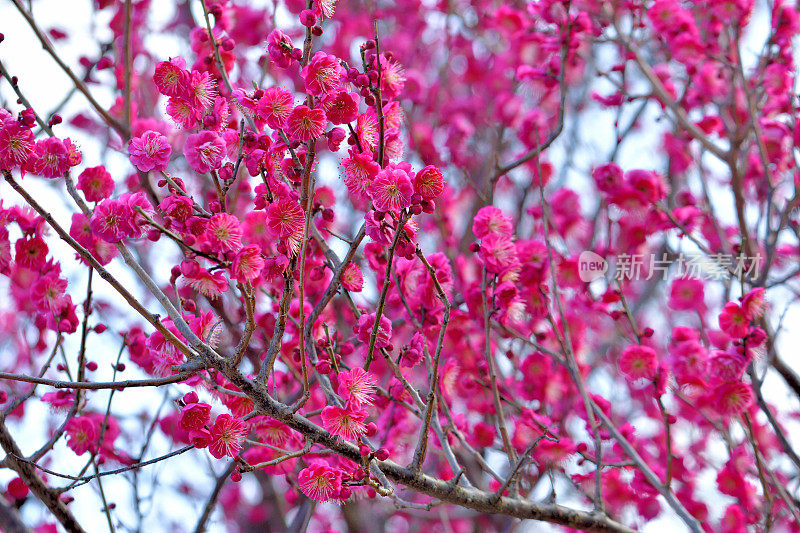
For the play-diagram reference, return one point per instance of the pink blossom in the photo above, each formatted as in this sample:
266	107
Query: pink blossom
202	91
366	323
352	279
17	144
285	218
320	482
429	183
391	190
732	398
356	386
223	232
247	264
323	74
274	107
177	208
150	151
194	416
498	253
347	423
227	435
48	293
638	362
51	158
732	320
726	366
360	170
81	434
171	77
304	123
280	48
490	219
686	294
204	151
393	78
200	438
110	220
340	107
30	252
95	183
753	304
182	112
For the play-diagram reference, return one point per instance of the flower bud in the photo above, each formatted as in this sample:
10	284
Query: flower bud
307	18
382	454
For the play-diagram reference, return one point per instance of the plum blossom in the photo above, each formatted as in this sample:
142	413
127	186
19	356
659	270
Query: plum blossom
347	423
391	190
323	74
320	482
95	183
223	232
227	435
638	362
274	107
150	151
204	151
305	124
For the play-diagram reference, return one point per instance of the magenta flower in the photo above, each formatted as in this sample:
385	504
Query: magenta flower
81	434
753	304
51	158
340	107
194	416
110	220
211	285
182	112
366	322
726	366
498	253
204	151
391	190
393	78
429	183
150	151
359	171
638	362
280	48
686	294
202	91
304	124
47	293
274	107
352	278
227	435
323	74
30	252
347	423
96	183
248	264
732	398
732	320
171	77
223	232
16	144
356	386
320	482
285	218
490	219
